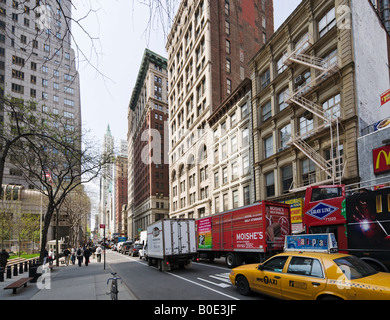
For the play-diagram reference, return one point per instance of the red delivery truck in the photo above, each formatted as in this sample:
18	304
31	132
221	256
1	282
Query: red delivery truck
360	221
246	234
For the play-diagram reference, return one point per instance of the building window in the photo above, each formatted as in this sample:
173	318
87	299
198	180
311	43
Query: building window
327	22
270	184
285	136
245	137
217	207
268	146
244	111
224	175
280	66
228	66
308	172
216	179
234	144
235	199
227	27
246	196
265	79
287	178
227	7
245	165
266	111
229	86
306	124
234	171
332	107
228	48
225	202
282	97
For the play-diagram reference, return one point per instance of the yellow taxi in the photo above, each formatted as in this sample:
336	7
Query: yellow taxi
311	275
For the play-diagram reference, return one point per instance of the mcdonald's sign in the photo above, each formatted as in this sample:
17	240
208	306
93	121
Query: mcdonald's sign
381	157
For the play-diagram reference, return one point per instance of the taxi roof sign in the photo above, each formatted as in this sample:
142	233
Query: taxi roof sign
325	242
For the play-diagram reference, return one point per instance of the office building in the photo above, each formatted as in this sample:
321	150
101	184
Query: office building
148	191
209	47
37	65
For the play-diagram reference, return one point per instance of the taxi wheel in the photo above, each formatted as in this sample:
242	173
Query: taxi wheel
243	286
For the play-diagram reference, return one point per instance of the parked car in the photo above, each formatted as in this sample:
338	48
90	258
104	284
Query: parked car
126	247
134	249
122	246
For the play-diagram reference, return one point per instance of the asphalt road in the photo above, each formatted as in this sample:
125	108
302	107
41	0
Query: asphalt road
202	281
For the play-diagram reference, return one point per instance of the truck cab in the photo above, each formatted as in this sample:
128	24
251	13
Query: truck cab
324	212
360	221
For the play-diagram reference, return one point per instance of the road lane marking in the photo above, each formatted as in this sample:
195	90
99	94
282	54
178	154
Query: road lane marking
222	285
201	285
222	277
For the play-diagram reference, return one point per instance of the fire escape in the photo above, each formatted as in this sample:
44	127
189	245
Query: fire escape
324	68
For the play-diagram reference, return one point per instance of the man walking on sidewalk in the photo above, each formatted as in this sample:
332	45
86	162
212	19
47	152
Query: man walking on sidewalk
87	254
80	256
67	254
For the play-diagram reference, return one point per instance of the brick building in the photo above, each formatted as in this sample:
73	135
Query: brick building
148	191
209	48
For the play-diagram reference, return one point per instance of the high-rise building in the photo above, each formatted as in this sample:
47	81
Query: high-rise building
148	194
106	204
37	64
209	47
120	191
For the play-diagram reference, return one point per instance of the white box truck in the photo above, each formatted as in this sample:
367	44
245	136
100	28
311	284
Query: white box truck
171	243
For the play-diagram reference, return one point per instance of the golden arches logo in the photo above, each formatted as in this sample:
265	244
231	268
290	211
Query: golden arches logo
378	158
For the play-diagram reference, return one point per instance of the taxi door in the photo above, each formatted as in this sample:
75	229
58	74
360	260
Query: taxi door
304	279
268	278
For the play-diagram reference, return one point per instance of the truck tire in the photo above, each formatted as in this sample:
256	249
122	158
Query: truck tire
233	259
377	265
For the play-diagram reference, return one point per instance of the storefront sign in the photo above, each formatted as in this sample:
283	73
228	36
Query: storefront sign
381	159
385	97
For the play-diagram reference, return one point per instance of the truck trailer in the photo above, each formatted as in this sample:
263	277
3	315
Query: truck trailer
360	221
247	234
171	243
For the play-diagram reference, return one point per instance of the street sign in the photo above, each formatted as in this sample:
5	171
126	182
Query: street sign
102	226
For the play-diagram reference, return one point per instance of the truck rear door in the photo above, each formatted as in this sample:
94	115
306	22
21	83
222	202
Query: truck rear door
183	244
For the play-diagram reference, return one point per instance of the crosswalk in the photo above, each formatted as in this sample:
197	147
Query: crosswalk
221	278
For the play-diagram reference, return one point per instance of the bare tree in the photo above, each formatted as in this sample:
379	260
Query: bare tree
76	206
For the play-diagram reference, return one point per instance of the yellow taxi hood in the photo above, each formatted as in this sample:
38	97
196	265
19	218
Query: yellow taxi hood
246	267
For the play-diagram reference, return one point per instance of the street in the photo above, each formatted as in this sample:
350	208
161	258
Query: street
202	281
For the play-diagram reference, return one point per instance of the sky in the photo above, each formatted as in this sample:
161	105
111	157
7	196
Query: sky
110	37
119	31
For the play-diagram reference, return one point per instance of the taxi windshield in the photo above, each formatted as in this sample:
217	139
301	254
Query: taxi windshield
354	268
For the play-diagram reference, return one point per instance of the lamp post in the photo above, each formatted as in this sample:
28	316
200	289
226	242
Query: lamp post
103	226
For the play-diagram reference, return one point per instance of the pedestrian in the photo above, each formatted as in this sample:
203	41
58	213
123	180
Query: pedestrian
4	255
99	254
67	256
87	254
73	255
51	257
45	256
93	249
80	256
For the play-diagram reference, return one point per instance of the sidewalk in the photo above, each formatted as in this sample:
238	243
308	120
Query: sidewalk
69	283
